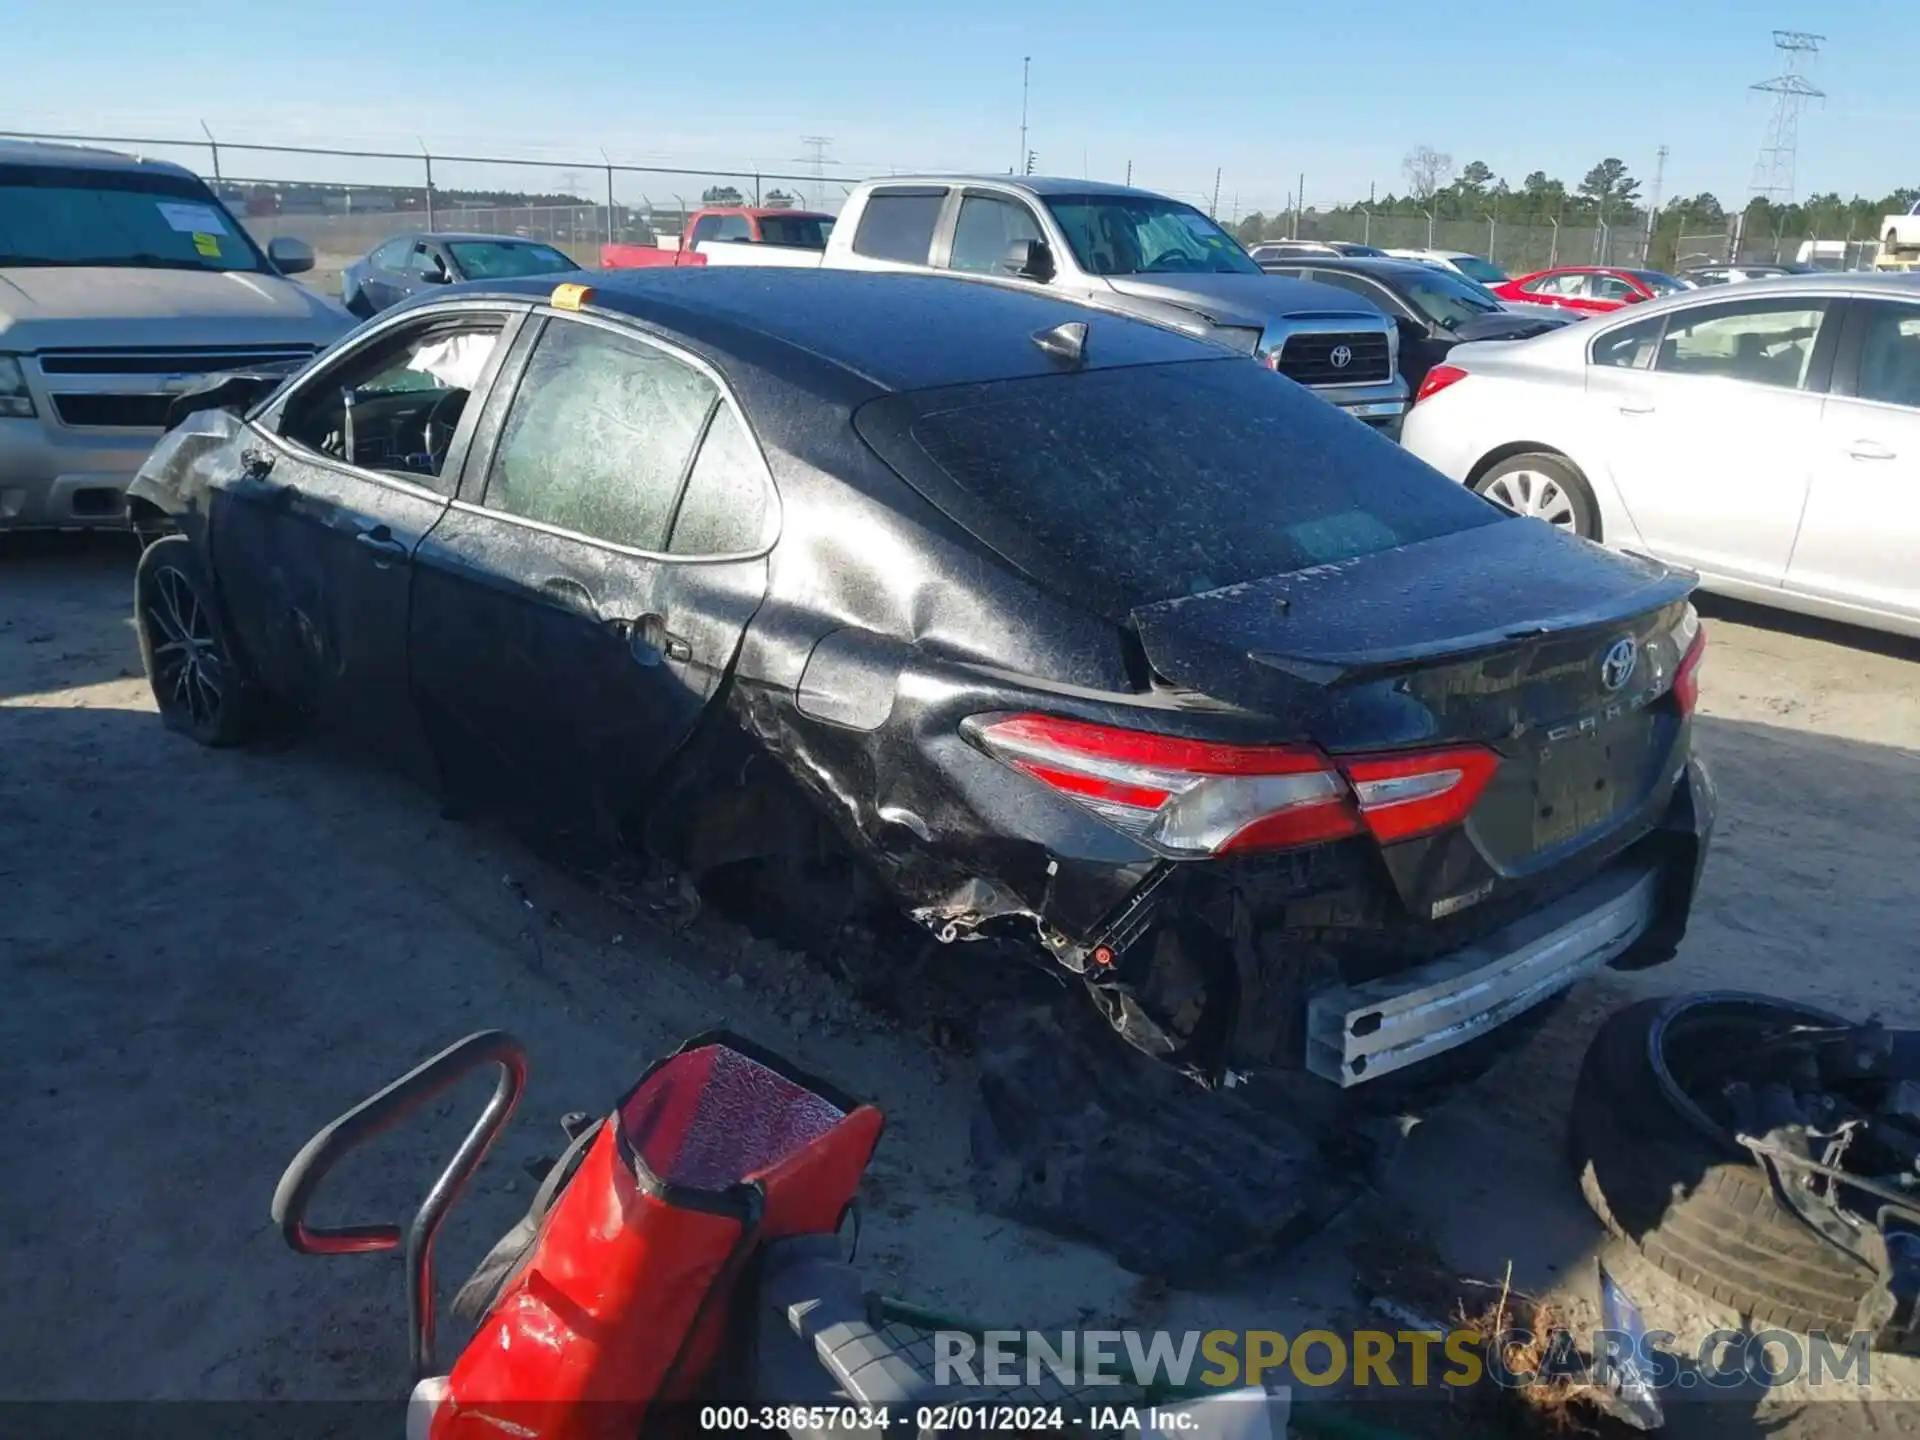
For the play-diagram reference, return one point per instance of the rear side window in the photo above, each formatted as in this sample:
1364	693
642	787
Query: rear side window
899	226
1134	485
1630	347
599	436
391	256
725	510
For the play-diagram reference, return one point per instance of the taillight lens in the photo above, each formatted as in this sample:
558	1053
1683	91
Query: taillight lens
1690	639
1191	798
1421	791
1438	379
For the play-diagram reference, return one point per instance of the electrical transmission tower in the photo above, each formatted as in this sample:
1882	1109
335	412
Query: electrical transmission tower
817	157
1791	90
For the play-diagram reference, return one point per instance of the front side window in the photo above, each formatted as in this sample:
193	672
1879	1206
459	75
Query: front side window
899	226
59	216
1890	355
987	230
599	436
507	260
1761	342
1658	282
1612	287
707	227
394	405
424	264
1146	235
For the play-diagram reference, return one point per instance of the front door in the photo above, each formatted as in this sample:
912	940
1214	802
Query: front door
1711	448
314	546
1860	540
576	610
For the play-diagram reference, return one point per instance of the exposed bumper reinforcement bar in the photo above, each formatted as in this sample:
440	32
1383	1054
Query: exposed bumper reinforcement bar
1361	1032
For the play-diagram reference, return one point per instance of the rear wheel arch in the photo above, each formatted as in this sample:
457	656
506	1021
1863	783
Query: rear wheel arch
1580	485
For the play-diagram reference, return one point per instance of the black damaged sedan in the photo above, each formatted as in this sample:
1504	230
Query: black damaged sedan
1029	618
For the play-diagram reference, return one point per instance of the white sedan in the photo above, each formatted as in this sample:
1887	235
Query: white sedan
1767	437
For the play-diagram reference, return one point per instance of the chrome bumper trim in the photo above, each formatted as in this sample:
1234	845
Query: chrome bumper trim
1360	1032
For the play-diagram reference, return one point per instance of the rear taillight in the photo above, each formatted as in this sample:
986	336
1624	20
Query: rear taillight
1191	798
1690	639
1420	791
1438	379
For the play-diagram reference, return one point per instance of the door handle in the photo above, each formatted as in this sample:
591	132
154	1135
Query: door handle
650	639
1869	450
379	539
1636	409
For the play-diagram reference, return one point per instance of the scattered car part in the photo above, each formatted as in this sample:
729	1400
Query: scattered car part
1074	1133
1654	1140
844	610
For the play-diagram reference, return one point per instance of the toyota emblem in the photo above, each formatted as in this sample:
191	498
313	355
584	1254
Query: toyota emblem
1616	666
1341	356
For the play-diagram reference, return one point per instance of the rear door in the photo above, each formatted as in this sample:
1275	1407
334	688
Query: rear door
1712	446
578	607
1859	541
314	553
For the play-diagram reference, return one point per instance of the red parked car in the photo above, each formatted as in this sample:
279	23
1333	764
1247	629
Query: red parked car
1590	289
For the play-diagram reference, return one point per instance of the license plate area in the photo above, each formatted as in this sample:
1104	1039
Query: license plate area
1575	778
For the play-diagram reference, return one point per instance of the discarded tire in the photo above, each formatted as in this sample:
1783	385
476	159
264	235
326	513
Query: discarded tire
1660	1175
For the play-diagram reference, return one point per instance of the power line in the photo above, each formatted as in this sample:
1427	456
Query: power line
1791	90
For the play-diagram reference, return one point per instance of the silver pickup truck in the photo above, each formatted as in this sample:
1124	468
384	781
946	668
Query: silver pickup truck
1120	249
124	282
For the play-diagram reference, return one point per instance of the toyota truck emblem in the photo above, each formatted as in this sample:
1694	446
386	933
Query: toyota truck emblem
1616	666
1340	356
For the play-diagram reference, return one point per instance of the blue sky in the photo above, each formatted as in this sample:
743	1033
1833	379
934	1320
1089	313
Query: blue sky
1262	92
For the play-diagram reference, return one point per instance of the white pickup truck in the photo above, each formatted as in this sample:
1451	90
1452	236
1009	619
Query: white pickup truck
1118	249
1900	235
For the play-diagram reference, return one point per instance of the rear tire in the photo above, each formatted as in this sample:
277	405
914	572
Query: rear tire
1541	485
200	687
1697	1206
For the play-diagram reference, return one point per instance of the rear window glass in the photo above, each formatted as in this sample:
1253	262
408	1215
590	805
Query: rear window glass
1134	485
899	227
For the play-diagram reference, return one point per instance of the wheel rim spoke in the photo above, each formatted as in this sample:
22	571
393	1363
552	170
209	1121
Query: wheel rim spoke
187	661
1535	497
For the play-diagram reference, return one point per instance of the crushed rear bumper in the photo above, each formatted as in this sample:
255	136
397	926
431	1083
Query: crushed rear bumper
1630	915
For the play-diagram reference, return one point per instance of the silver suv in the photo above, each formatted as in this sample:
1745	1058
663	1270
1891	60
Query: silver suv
122	283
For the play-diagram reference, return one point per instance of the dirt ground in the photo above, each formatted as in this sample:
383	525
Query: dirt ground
206	956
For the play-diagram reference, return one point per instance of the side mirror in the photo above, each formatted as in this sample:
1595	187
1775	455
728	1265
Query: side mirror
1029	259
290	256
435	277
1634	297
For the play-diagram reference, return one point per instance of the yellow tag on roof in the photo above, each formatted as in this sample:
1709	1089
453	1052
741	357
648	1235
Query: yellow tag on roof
571	297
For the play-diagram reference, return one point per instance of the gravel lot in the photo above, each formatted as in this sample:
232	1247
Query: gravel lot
208	955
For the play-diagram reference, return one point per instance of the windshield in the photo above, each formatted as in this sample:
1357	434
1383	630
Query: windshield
1143	483
1447	300
1146	235
58	216
1485	271
505	259
802	232
1658	283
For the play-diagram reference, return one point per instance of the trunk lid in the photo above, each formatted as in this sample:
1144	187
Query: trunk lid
1511	636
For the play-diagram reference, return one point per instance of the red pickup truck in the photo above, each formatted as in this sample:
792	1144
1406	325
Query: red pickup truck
730	226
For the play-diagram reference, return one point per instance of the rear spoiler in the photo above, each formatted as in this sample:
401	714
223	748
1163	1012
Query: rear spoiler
235	390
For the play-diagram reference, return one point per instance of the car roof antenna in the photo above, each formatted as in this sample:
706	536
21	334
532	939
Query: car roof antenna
1066	342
